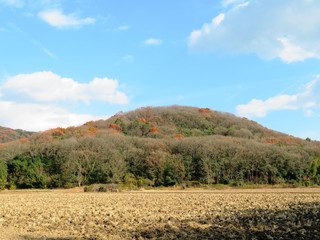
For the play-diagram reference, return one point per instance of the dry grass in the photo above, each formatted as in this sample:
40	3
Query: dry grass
221	214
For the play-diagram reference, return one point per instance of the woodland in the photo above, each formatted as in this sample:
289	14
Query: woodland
155	147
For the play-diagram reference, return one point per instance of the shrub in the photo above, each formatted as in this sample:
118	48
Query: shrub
190	184
68	185
144	182
130	181
110	187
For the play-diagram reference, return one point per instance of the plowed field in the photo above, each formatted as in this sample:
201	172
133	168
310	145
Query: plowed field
225	214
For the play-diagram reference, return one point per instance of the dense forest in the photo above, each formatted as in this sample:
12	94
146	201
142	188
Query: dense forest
161	146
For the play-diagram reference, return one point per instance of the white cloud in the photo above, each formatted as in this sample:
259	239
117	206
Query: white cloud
218	19
41	100
285	29
227	3
56	18
123	28
13	3
39	117
307	99
291	53
49	87
153	41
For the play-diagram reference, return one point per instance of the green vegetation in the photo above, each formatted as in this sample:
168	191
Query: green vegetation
161	147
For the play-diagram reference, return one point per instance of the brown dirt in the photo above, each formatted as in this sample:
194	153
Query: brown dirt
198	214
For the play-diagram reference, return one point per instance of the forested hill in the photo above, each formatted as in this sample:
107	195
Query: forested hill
8	134
180	122
160	146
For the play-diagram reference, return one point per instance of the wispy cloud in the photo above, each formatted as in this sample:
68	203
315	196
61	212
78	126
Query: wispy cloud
307	99
128	58
286	29
227	3
13	3
153	41
57	18
42	48
33	41
48	52
123	28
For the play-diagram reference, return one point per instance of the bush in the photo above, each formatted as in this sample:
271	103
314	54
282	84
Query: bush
102	188
144	182
236	184
191	184
68	185
130	181
88	188
12	186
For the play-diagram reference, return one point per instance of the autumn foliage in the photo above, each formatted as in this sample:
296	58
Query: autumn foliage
204	110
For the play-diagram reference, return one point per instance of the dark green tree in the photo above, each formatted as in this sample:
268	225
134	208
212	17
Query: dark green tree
25	172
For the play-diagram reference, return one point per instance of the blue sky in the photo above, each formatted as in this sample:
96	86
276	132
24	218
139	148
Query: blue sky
65	62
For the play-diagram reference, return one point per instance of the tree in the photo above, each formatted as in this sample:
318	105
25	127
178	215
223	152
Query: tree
26	172
314	170
173	171
3	174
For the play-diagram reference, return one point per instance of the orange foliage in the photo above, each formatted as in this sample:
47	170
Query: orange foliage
55	132
271	141
154	130
24	140
179	136
115	126
91	126
93	130
204	110
142	120
283	140
290	140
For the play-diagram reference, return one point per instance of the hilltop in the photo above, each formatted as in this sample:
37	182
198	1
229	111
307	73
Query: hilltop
182	121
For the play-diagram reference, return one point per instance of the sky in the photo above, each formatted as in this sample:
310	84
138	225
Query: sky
66	62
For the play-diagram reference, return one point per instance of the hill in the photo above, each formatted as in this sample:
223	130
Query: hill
173	122
160	122
8	134
161	146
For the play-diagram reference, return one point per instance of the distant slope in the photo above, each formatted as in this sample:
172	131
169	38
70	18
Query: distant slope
8	134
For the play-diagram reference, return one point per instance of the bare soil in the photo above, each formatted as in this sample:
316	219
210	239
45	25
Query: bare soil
198	214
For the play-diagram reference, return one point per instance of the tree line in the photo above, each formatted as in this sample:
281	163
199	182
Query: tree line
108	157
